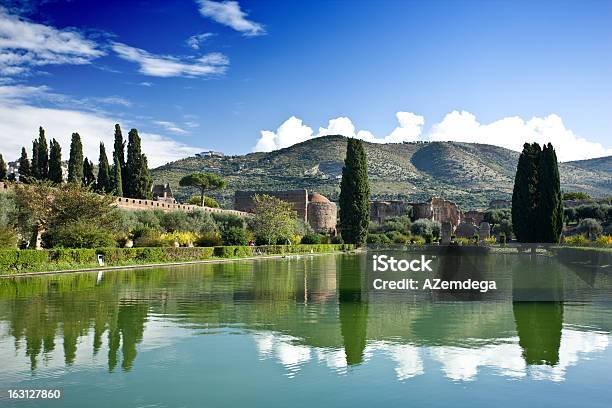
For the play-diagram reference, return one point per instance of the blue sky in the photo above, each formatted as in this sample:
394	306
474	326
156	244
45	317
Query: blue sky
239	76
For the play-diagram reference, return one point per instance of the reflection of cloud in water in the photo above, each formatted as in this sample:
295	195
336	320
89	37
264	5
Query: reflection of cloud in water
574	346
463	363
505	357
460	363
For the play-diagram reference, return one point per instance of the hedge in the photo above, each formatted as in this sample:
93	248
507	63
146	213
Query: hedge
18	261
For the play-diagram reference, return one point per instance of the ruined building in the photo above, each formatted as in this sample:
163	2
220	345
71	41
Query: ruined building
314	208
163	193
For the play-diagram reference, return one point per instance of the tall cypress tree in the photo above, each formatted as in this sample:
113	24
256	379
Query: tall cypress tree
137	179
35	164
3	169
103	184
24	166
55	162
550	203
525	194
43	155
354	194
119	154
88	173
75	162
117	184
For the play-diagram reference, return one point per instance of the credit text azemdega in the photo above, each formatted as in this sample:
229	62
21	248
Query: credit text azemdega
384	263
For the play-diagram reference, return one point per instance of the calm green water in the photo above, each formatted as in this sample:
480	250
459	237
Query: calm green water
300	332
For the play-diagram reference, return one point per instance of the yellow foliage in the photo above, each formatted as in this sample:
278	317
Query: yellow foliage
604	240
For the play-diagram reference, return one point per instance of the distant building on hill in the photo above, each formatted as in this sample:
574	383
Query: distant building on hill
210	153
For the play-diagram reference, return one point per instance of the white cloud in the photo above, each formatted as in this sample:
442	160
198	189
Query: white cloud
113	100
147	84
195	40
229	13
24	44
509	132
19	123
513	132
170	66
170	126
292	131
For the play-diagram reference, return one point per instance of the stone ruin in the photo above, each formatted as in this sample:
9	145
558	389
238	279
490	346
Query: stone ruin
382	210
314	208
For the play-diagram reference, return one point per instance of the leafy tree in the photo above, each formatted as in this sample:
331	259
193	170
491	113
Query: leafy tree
274	220
570	214
525	194
75	162
55	163
204	182
354	194
137	179
590	227
550	204
576	195
34	209
43	155
119	157
103	184
3	170
591	211
88	173
24	166
35	164
117	184
503	227
421	227
79	218
208	201
8	223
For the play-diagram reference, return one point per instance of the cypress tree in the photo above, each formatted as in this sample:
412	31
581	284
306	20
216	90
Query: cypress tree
354	194
88	173
3	169
119	154
117	184
43	155
24	166
55	163
137	179
525	194
104	176
35	164
550	203
75	162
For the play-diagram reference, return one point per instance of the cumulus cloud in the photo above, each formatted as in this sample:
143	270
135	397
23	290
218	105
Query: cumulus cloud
460	126
24	44
19	123
513	132
229	13
293	131
195	40
170	66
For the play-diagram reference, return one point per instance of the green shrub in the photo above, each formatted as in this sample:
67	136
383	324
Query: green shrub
378	239
234	236
337	239
78	235
8	237
31	258
209	239
311	239
73	256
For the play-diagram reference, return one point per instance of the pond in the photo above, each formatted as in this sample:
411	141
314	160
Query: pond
305	332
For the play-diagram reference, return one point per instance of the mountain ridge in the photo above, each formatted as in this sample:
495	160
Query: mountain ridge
470	174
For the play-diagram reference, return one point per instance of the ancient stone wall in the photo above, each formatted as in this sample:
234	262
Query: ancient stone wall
445	211
473	217
382	210
139	204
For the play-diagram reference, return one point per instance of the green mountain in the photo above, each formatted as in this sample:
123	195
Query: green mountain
469	174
